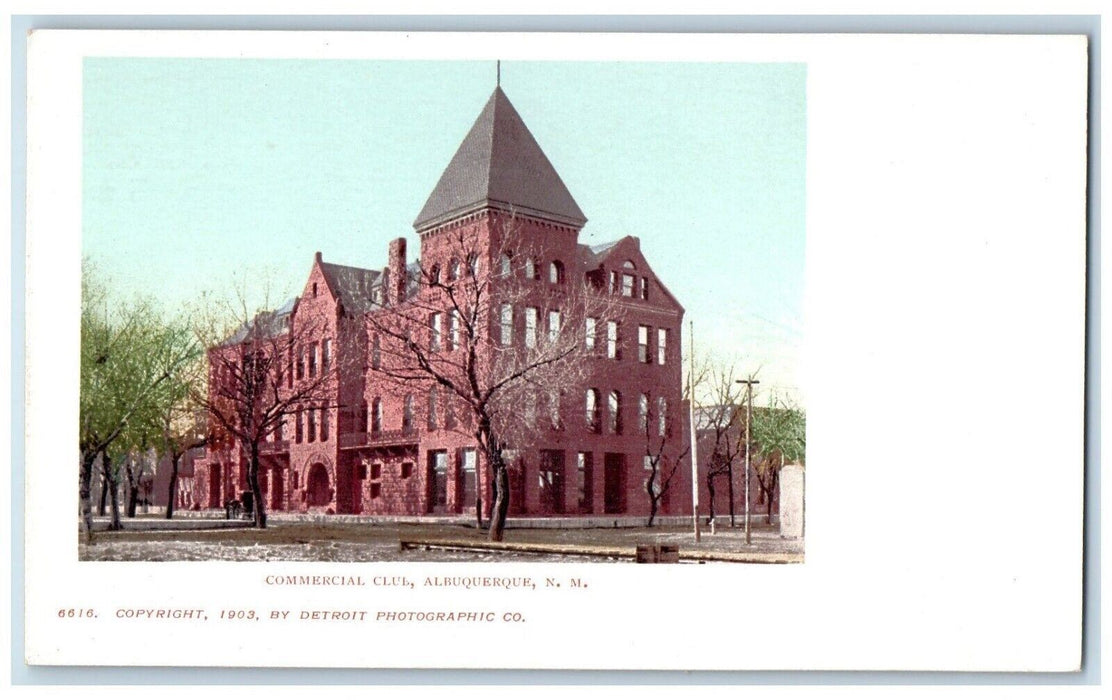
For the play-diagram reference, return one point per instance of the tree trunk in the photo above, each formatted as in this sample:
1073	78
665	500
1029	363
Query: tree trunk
478	498
86	492
501	497
132	488
710	497
173	494
653	497
113	492
730	476
102	509
256	491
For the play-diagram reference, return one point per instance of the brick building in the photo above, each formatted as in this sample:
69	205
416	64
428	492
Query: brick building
378	446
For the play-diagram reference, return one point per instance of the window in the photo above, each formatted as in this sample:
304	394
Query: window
627	285
453	330
504	265
551	481
364	417
556	272
326	360
407	414
434	332
507	325
643	414
297	431
584	469
530	409
661	345
314	289
311	415
407	469
323	423
615	405
593	419
530	327
554	409
645	288
438	466
613	351
553	326
301	363
643	333
376	352
450	414
289	367
473	265
613	282
532	272
591	323
312	359
453	269
433	399
376	416
647	461
661	416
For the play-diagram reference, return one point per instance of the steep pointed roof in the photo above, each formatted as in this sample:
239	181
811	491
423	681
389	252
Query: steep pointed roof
500	164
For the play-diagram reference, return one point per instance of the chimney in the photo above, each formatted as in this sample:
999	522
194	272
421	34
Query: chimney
398	279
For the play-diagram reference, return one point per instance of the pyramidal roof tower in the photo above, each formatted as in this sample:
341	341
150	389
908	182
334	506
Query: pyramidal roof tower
500	165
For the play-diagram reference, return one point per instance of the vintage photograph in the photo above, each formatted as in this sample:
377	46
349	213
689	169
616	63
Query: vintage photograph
442	311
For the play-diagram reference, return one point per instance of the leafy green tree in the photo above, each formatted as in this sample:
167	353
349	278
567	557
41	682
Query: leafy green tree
127	353
779	436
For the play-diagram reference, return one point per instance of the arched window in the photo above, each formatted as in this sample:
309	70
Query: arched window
594	422
376	416
453	269
556	272
505	264
407	414
615	405
473	265
628	264
643	413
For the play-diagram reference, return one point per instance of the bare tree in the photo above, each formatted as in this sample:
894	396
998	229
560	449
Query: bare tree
253	387
662	461
460	332
720	420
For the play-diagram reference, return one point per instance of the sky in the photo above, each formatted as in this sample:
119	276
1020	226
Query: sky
200	174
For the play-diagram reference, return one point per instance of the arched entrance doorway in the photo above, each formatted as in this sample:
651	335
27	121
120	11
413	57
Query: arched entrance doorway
317	487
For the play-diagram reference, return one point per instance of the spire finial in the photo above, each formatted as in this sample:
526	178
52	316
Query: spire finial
497	74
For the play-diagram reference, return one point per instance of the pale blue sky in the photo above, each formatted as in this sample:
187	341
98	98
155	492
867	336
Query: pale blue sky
196	170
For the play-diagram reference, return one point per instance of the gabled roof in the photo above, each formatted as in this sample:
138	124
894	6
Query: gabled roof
266	324
593	255
500	164
352	285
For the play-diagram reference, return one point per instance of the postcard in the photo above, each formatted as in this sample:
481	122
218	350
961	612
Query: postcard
382	350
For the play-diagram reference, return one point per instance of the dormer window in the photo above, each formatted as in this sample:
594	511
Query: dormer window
627	285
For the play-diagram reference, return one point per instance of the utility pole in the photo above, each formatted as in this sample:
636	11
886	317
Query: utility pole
693	436
748	420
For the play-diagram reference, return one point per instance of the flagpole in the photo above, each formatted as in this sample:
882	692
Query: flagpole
694	436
